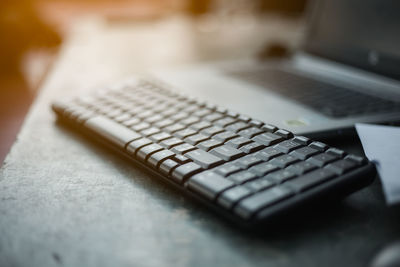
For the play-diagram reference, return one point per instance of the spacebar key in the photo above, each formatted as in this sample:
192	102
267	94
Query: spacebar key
112	131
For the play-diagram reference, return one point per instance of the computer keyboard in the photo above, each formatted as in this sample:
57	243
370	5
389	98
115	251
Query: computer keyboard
245	169
328	99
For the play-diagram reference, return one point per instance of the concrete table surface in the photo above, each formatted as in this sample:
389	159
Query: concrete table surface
65	201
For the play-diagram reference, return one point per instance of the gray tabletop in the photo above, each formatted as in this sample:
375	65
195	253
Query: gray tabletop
65	201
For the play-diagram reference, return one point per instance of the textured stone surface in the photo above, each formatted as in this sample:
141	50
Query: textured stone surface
65	201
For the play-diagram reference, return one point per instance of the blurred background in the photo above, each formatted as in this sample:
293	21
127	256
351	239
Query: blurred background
33	32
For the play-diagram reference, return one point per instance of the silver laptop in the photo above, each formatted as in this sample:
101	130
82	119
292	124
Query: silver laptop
347	71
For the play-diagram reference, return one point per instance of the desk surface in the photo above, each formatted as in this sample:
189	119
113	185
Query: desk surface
68	202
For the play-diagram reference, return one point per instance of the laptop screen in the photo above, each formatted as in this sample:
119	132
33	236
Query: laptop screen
362	33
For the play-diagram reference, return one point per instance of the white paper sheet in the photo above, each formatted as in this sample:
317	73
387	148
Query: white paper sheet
382	145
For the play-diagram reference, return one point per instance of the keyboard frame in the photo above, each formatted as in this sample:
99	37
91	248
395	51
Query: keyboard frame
332	189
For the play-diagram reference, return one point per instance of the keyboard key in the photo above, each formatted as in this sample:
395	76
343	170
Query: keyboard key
250	132
60	106
74	113
212	130
190	121
227	169
200	125
154	118
284	160
114	113
182	149
268	139
287	146
202	112
204	159
112	131
301	167
160	137
209	144
197	138
160	108
167	166
231	196
209	184
256	123
225	136
268	153
146	151
221	110
182	134
341	166
140	126
168	143
213	117
310	179
242	177
131	122
145	114
252	147
136	110
302	140
263	168
250	205
225	121
179	116
286	134
150	131
239	141
269	128
169	112
319	146
184	171
259	184
137	144
209	106
181	104
281	175
238	126
336	152
82	118
123	117
304	152
247	161
232	114
357	159
190	109
227	153
244	118
322	159
155	159
164	123
181	159
174	128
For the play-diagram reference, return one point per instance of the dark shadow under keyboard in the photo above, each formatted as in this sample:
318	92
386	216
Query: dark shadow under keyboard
328	99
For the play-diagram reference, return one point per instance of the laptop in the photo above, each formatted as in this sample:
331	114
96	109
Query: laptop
347	70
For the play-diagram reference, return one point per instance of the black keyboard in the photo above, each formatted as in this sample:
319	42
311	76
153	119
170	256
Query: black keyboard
242	167
328	99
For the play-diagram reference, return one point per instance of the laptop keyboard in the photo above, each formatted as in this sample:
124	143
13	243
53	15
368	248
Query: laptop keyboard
245	168
328	99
